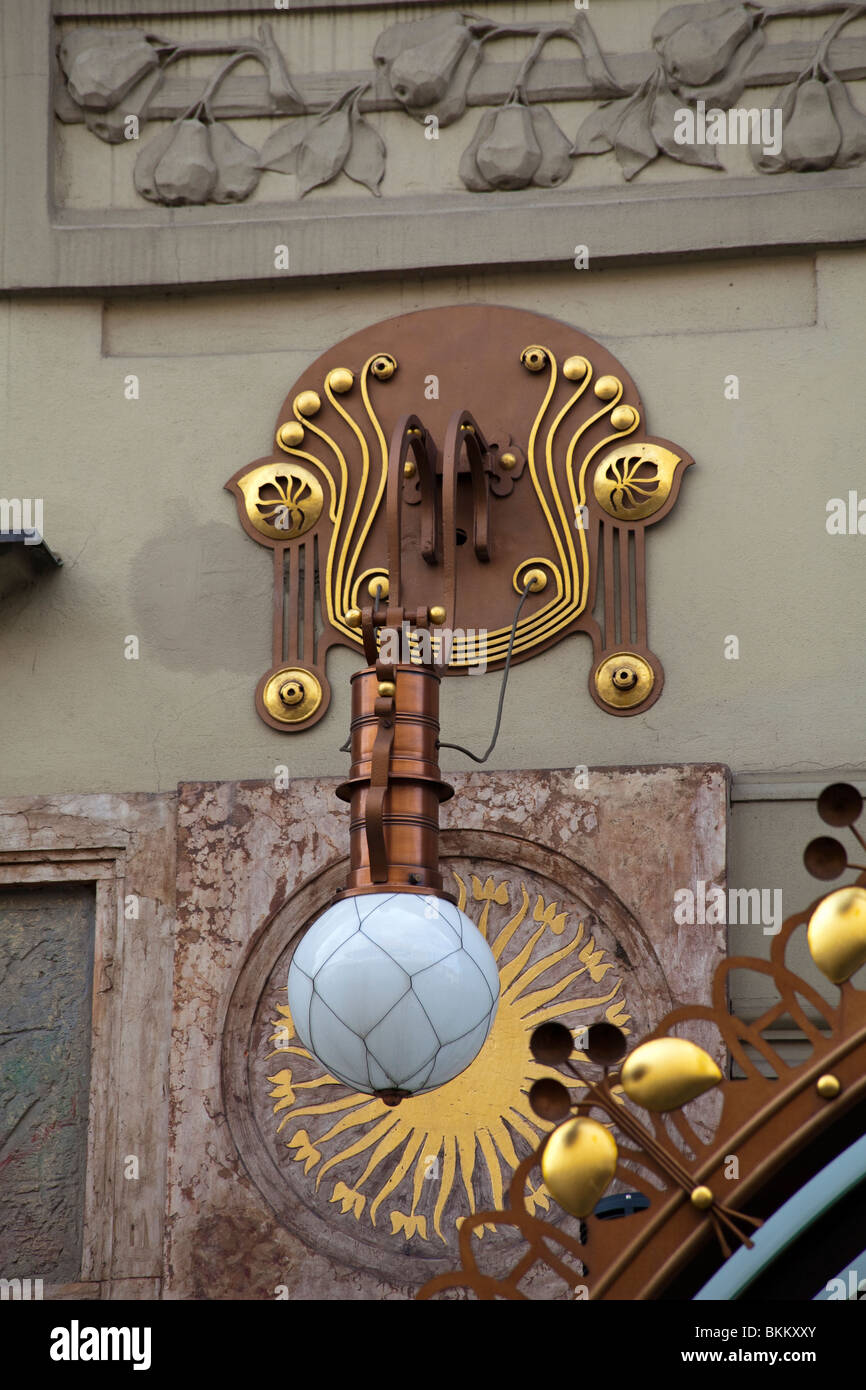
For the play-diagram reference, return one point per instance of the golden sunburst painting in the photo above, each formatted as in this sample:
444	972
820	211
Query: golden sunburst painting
417	1169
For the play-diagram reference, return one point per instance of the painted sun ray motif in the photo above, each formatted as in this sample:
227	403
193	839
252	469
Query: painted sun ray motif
462	894
320	1081
519	1124
509	972
284	1090
367	1110
365	1142
564	1011
430	1140
502	1139
510	928
536	1070
543	996
449	1164
532	972
398	1174
390	1141
492	1160
467	1169
330	1106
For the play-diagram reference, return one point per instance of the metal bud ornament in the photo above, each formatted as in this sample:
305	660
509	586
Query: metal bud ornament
578	1163
837	934
665	1073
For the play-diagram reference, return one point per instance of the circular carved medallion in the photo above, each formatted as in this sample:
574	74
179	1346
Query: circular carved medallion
386	1189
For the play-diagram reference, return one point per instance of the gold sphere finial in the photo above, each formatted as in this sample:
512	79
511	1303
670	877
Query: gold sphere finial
292	692
623	417
353	617
308	403
387	689
409	469
702	1198
290	435
341	380
607	387
575	368
508	461
384	366
534	358
437	615
828	1086
535	580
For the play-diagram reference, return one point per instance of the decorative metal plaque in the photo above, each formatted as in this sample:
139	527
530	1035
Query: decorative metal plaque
567	483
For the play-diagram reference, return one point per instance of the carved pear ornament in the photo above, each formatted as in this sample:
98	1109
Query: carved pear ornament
504	455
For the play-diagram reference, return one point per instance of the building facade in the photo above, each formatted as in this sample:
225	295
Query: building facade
210	209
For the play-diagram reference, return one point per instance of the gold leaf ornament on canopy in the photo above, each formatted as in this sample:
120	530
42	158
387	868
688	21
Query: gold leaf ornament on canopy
578	1163
665	1073
837	934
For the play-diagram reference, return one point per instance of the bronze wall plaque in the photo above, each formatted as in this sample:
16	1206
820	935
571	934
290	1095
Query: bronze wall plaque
556	482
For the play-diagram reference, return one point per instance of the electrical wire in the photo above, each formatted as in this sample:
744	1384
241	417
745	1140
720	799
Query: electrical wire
458	747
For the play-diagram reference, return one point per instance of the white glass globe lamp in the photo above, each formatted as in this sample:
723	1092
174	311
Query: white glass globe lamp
393	992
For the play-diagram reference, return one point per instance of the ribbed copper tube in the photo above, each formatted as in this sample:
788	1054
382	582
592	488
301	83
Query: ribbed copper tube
411	809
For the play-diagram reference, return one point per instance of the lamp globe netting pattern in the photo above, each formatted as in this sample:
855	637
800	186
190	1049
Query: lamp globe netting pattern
393	991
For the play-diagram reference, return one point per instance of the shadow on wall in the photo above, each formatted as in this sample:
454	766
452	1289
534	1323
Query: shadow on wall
201	597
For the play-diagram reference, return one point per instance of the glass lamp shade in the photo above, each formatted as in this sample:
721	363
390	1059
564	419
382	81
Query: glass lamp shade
393	991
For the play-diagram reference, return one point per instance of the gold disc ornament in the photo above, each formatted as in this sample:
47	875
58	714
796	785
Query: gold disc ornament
624	679
292	694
